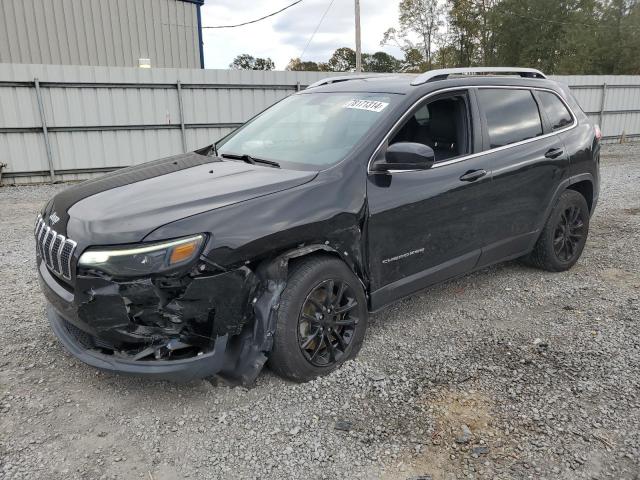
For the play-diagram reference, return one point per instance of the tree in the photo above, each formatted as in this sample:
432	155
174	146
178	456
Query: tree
264	64
342	60
617	41
417	18
470	38
556	36
380	62
248	62
296	65
630	46
413	61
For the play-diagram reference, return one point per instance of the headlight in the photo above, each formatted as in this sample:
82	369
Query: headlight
132	261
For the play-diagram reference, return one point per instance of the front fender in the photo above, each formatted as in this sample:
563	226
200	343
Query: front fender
327	213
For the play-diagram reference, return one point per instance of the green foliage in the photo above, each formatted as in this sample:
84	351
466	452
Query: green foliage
247	62
296	65
344	60
617	42
420	22
380	62
570	37
556	36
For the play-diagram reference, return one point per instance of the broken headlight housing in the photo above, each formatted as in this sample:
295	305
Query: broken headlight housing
139	260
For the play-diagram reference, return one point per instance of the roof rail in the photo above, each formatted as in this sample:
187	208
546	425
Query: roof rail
443	74
341	78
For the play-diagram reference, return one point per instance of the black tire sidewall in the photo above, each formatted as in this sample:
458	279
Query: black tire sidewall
569	198
286	358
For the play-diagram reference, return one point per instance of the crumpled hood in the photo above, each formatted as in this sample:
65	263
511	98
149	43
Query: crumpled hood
128	212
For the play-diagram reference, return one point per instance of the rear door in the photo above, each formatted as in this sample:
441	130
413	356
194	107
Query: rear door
528	162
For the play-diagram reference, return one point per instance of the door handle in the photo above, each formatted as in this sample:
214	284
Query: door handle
473	175
554	153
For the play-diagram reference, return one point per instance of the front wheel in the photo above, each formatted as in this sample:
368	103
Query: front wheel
564	235
321	320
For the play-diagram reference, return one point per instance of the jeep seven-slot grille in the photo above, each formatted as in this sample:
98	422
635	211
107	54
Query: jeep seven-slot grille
54	249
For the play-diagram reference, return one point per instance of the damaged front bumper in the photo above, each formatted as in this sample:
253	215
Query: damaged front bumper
174	329
200	366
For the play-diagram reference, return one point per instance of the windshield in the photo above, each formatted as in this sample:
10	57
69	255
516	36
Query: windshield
309	131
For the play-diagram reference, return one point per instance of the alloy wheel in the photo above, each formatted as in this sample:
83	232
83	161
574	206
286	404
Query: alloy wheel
327	322
568	234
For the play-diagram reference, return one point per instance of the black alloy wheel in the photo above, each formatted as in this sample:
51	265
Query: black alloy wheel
327	322
564	235
568	234
321	319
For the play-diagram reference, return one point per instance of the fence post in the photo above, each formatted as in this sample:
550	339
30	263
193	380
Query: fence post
603	105
45	132
297	86
182	127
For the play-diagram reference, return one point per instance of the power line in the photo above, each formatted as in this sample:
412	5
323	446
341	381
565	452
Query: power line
257	19
316	30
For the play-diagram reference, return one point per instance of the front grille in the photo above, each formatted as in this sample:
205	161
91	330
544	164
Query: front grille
54	249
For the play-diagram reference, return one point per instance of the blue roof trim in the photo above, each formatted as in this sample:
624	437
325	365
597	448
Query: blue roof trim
197	2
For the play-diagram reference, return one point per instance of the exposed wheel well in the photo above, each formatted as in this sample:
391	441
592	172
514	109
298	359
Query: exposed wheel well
584	188
321	252
315	253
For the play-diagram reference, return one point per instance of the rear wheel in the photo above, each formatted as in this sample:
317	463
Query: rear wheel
563	238
321	320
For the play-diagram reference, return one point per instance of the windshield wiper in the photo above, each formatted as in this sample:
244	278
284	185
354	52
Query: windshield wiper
249	159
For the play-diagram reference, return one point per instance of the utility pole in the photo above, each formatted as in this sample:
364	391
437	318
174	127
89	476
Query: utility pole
358	44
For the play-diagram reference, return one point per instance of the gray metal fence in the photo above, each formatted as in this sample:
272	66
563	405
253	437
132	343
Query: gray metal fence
70	123
612	101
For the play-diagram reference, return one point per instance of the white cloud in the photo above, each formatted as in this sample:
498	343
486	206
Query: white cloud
284	36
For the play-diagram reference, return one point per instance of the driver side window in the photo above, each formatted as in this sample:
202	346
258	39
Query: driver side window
442	124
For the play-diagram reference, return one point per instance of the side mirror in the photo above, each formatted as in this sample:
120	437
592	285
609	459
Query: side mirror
406	156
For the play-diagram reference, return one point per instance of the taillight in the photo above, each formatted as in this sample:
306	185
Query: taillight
598	132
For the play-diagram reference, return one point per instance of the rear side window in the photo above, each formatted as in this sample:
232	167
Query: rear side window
555	110
512	115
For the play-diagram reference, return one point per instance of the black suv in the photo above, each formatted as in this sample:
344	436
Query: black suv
275	243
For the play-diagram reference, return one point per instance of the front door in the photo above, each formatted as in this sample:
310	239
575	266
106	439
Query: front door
426	226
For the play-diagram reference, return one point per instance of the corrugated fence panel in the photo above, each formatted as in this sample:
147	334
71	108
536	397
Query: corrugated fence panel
622	123
26	150
206	136
612	101
112	149
101	118
67	107
589	99
18	107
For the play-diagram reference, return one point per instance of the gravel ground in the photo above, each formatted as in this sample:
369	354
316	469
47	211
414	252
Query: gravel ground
507	373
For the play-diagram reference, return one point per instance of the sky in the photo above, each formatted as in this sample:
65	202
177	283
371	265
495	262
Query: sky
285	35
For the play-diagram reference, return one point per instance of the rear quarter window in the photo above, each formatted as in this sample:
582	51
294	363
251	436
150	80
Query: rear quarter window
511	115
556	111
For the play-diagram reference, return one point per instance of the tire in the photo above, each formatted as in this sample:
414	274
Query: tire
555	250
303	328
